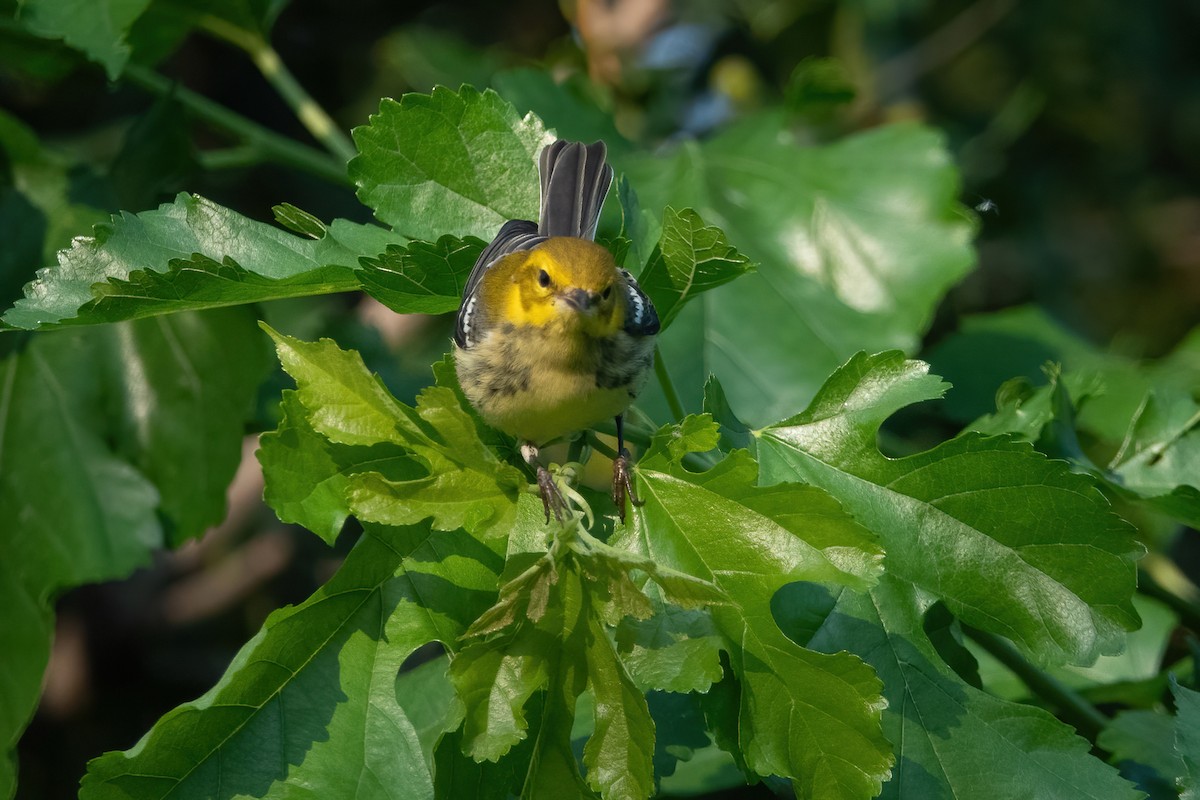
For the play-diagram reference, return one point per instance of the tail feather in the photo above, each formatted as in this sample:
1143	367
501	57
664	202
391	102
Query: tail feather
575	181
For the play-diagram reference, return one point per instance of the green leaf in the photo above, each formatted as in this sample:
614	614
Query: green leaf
1161	451
1158	460
310	704
691	259
71	510
421	278
1147	737
199	283
855	243
801	527
735	434
183	388
97	29
462	481
307	475
1187	738
568	106
1024	547
449	163
185	255
675	650
807	716
953	740
992	348
619	754
424	56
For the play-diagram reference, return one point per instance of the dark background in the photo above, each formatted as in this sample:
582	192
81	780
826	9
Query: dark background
1076	125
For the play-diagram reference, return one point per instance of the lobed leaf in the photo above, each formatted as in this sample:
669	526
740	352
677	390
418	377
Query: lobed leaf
307	475
85	510
855	243
691	258
310	704
1187	739
461	482
619	755
952	739
189	254
449	163
804	715
1022	546
97	29
422	277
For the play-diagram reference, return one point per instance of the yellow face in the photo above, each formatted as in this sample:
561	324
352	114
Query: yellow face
567	282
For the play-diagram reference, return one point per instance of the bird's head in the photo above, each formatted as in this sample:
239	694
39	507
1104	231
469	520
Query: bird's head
565	282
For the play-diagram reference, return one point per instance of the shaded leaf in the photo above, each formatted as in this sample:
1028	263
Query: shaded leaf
1147	737
855	243
953	740
183	388
73	508
1187	738
309	705
75	513
421	278
97	29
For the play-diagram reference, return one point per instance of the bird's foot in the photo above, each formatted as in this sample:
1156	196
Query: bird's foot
552	496
622	484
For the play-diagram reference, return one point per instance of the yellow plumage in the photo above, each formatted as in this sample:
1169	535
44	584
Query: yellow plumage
552	336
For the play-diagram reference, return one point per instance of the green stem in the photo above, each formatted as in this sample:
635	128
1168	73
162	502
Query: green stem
668	387
243	155
1188	611
1073	708
310	113
274	147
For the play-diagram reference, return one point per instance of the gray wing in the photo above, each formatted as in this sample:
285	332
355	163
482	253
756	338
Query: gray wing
515	235
575	181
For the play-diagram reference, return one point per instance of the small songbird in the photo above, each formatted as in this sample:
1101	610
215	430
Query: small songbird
552	336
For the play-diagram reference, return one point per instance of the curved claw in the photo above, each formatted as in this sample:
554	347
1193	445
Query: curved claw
552	497
622	485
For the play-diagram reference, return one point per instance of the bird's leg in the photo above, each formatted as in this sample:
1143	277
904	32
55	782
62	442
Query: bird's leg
552	498
622	483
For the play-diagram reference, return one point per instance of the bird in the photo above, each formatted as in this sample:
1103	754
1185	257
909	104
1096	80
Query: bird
552	336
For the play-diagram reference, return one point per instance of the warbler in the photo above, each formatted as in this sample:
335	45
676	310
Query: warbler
553	337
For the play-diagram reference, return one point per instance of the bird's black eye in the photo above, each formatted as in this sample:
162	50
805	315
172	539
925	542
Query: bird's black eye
543	278
607	293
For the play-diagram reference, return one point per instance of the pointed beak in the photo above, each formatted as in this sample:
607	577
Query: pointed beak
580	299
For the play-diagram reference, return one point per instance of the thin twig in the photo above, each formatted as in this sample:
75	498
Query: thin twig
312	116
668	387
272	145
897	74
1072	707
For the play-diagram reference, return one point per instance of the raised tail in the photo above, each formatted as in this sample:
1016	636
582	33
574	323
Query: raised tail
575	181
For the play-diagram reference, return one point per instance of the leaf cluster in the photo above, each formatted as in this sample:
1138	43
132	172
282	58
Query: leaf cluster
790	604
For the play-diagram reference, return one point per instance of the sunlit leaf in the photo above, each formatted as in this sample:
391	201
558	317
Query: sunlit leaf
1023	546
